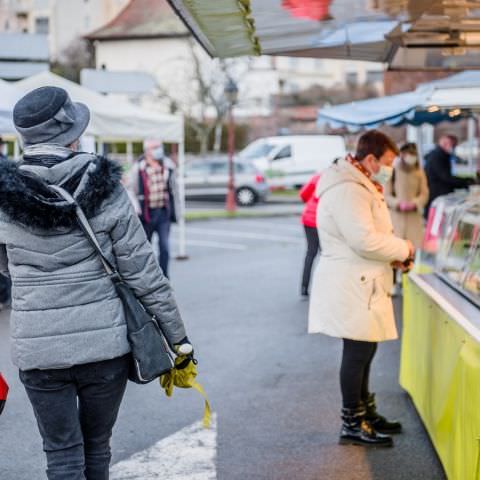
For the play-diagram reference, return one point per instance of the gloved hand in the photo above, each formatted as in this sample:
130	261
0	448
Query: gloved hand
407	207
184	347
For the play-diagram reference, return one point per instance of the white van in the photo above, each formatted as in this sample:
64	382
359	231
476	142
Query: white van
289	161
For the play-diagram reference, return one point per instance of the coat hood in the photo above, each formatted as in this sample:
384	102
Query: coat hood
339	173
26	199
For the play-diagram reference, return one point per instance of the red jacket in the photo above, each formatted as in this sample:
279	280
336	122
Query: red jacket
3	392
307	194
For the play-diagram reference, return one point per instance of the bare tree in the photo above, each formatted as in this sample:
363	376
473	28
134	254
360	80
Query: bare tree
77	55
205	104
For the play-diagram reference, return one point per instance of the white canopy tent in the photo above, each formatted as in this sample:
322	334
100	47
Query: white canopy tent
113	120
8	97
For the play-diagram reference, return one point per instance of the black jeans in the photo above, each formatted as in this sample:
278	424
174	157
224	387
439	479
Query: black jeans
313	247
76	409
355	371
160	222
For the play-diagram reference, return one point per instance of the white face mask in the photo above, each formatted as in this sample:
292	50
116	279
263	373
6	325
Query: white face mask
410	160
383	175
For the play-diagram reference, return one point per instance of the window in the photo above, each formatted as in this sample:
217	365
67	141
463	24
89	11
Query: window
374	76
256	150
197	170
285	152
219	169
42	25
351	78
245	168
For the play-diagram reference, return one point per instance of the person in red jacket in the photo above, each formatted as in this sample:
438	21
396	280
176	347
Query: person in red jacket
3	392
309	221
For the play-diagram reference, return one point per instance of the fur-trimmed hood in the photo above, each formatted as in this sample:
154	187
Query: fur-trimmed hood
26	199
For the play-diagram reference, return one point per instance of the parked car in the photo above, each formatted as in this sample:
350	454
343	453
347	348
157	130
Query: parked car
209	179
289	161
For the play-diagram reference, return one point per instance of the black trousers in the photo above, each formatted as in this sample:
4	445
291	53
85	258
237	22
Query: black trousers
313	248
355	371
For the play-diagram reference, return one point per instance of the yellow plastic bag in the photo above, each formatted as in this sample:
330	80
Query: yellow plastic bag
183	375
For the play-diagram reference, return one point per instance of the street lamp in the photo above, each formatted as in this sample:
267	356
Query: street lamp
231	94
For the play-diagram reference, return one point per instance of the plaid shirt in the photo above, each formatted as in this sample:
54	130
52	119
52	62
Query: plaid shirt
362	169
157	187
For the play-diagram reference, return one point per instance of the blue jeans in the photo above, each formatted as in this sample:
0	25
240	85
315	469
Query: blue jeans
160	222
76	409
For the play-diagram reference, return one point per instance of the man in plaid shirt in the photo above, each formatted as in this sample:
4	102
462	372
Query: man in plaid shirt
153	183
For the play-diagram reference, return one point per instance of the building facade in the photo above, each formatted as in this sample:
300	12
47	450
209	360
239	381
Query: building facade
63	21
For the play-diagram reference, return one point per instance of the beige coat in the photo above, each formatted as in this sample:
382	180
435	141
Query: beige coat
350	295
410	186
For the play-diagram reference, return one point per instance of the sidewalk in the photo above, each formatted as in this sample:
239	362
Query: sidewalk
276	205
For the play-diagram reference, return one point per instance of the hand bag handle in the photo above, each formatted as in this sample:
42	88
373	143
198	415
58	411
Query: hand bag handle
87	229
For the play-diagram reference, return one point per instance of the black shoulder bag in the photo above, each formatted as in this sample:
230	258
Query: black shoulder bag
151	356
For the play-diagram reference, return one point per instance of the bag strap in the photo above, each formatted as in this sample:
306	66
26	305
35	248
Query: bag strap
87	229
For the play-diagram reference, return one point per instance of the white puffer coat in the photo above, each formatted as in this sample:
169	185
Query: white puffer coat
350	295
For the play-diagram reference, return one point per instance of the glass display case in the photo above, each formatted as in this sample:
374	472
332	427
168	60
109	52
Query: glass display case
457	256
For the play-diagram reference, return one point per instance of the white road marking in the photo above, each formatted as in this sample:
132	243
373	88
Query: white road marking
275	226
188	454
246	235
223	245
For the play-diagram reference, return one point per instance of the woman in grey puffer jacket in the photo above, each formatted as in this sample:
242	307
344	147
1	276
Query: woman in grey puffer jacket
67	323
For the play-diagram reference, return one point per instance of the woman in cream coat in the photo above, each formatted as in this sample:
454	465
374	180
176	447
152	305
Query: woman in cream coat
350	296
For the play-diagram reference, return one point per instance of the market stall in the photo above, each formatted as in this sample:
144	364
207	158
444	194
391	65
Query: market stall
448	100
440	360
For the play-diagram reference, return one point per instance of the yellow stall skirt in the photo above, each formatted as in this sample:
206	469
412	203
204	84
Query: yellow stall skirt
440	369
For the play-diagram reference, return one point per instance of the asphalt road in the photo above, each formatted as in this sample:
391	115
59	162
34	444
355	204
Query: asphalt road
274	388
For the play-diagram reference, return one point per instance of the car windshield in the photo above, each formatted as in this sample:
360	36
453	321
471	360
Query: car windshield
256	150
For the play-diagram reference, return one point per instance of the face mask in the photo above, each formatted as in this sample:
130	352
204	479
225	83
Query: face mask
383	175
410	160
158	153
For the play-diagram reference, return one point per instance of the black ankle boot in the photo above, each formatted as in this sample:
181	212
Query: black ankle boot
358	431
380	423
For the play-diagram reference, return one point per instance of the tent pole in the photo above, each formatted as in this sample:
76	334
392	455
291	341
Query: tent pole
182	254
412	133
130	152
471	129
419	141
16	149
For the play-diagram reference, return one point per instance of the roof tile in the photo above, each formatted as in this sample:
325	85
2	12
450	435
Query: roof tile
142	19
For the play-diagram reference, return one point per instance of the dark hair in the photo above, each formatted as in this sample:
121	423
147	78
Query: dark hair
409	147
374	143
453	139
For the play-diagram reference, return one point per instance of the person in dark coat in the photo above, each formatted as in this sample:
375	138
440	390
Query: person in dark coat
438	168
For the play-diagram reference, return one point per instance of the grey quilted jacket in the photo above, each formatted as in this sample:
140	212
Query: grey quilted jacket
64	308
